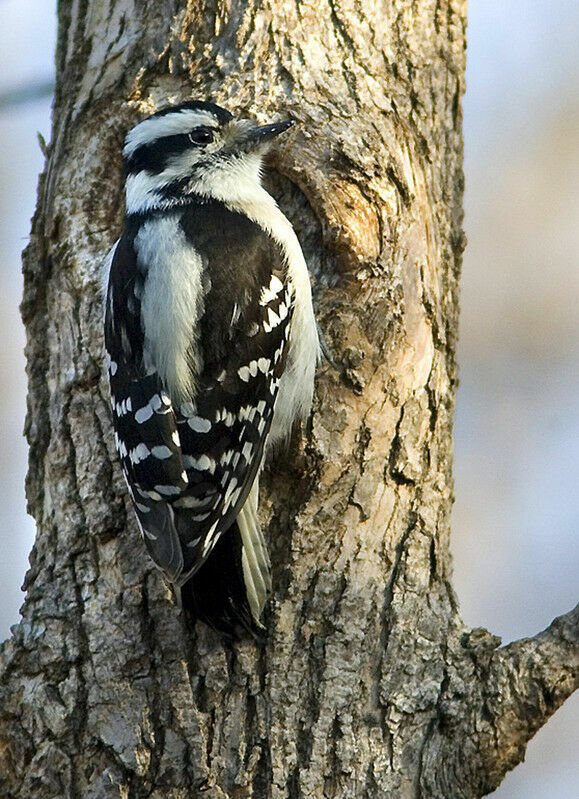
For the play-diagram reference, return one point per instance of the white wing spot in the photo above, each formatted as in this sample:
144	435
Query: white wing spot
157	403
204	463
143	414
273	318
209	538
190	502
270	293
199	424
168	490
275	284
230	488
162	452
194	541
225	459
244	412
139	453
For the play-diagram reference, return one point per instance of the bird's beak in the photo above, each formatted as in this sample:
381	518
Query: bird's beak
265	133
253	137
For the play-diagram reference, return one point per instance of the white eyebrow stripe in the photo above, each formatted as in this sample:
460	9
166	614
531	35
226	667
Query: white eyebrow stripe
169	125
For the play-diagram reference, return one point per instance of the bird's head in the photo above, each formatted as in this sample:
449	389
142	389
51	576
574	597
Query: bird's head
195	148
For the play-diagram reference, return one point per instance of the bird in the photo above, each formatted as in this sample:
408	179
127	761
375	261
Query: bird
211	346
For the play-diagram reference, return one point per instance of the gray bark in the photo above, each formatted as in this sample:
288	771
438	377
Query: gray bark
370	685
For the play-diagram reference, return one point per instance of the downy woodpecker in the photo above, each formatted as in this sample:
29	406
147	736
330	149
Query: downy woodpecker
211	345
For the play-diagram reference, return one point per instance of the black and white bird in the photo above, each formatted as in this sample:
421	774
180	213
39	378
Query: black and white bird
211	345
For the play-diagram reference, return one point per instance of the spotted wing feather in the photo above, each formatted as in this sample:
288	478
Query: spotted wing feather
224	434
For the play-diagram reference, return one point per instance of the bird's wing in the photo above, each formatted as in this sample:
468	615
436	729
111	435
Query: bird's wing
223	433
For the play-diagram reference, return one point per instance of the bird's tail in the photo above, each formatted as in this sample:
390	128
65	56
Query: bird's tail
230	590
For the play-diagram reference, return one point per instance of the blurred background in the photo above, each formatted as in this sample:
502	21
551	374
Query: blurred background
515	544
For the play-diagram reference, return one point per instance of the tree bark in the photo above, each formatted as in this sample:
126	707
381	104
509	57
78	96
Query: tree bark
369	685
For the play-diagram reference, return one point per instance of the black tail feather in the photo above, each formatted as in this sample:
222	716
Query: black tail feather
216	593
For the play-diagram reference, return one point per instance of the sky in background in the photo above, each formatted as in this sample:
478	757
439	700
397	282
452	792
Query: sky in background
516	518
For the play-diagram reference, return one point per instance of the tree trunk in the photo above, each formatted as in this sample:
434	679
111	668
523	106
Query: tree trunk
369	684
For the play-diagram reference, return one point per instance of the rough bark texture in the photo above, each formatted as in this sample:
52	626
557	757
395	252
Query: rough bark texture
370	685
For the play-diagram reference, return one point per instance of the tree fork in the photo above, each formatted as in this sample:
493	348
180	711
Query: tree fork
369	685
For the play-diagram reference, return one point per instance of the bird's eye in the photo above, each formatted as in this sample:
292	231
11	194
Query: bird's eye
201	136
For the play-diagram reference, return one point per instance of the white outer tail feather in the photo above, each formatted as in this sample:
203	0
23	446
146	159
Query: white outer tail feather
254	556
